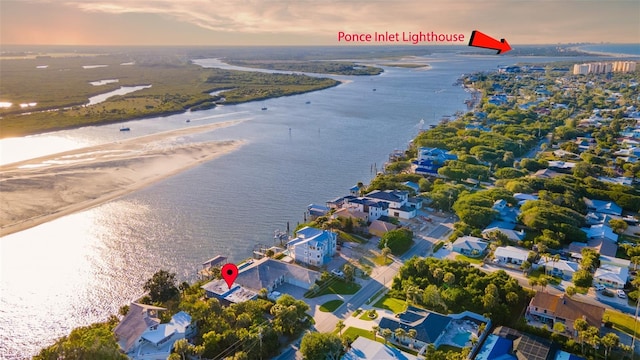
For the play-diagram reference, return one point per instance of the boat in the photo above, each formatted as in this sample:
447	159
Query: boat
125	129
264	108
308	102
374	89
188	120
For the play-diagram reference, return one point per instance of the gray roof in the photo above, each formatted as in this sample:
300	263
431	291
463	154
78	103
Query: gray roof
136	321
264	272
471	243
428	325
365	349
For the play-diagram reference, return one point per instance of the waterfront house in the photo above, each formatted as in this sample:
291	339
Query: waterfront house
351	213
470	246
316	210
431	159
270	274
413	186
506	255
142	336
397	200
373	208
548	309
219	289
313	246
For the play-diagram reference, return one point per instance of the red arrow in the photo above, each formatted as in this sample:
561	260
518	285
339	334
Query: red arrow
481	40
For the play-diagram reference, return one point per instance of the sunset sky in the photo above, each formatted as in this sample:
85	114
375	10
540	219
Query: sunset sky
309	22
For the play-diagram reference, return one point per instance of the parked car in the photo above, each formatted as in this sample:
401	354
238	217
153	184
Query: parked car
337	273
599	287
621	294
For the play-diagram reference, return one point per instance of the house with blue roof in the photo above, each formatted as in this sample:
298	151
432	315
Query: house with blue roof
431	159
434	328
313	246
470	246
603	207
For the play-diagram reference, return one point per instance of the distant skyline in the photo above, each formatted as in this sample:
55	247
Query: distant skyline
309	22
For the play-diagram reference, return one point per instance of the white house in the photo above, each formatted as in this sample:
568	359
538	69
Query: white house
510	255
470	246
372	208
561	268
512	235
611	276
142	337
313	246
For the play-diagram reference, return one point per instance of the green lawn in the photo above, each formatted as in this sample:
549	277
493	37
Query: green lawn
335	286
471	260
353	333
392	304
365	316
381	261
622	322
331	306
351	237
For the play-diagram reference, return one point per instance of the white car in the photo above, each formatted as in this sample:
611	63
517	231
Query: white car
621	294
337	273
599	287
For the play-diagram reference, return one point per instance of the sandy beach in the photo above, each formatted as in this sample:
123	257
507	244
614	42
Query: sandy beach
39	190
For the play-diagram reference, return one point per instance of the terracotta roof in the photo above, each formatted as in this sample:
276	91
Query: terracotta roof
565	307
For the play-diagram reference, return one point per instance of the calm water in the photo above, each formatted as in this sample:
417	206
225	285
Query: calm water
624	49
81	268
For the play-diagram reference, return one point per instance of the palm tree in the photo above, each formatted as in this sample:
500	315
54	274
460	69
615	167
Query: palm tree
592	336
581	325
412	294
375	329
412	335
609	341
533	282
386	334
400	334
340	325
385	252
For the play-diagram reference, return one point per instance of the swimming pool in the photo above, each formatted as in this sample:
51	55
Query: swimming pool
461	338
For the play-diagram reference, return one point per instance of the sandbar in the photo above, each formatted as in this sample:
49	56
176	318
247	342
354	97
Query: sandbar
39	190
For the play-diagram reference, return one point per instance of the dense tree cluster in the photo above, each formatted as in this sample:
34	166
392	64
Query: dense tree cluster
397	240
453	287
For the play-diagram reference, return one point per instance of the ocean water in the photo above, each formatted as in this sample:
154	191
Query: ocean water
81	268
622	49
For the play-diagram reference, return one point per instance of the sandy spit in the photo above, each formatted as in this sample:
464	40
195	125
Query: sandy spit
39	190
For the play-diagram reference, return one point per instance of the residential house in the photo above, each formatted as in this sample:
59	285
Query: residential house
470	246
219	289
413	186
594	218
510	255
431	327
313	246
379	227
506	213
603	207
546	174
512	235
561	268
562	166
510	344
431	159
316	210
523	198
373	208
142	336
352	213
601	231
548	309
611	276
600	245
365	349
270	274
397	201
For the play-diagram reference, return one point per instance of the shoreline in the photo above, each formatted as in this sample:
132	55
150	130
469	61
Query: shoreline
601	53
43	189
